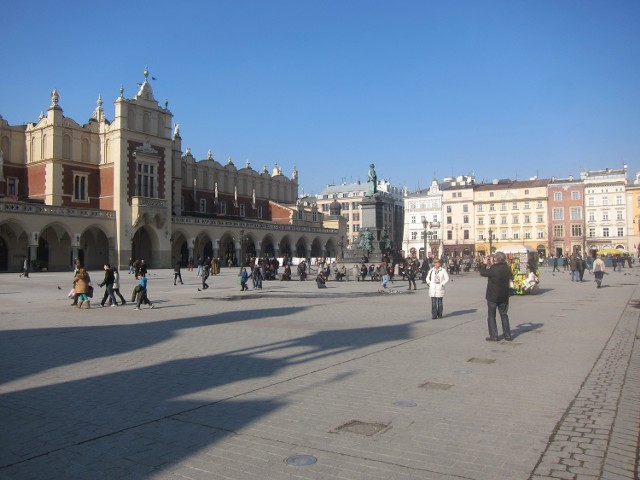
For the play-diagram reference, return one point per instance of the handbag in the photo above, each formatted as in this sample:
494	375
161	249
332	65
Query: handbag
90	291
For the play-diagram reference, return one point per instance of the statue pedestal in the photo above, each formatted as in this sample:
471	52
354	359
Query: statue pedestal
372	218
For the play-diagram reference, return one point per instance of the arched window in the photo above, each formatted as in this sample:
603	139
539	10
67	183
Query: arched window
43	149
131	119
84	154
66	147
146	123
160	126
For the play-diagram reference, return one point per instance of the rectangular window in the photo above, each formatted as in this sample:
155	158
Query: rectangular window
480	220
527	219
259	212
592	216
539	204
12	186
356	227
355	216
605	232
515	219
590	201
514	206
576	230
527	234
465	234
605	216
325	207
526	191
621	231
242	210
465	208
619	215
203	205
481	208
540	234
557	196
576	213
516	235
539	219
526	205
558	231
314	216
449	220
145	180
592	232
465	219
503	206
575	195
503	220
605	200
448	208
223	208
492	220
558	213
503	234
449	235
414	235
80	182
492	207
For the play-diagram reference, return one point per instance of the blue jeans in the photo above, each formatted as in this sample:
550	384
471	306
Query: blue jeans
436	307
503	308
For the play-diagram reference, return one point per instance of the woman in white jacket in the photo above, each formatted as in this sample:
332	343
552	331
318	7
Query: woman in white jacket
437	279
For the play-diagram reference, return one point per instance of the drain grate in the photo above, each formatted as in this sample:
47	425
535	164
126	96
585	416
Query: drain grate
362	428
486	361
436	386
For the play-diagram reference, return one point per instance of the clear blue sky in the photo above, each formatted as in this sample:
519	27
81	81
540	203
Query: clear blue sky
507	89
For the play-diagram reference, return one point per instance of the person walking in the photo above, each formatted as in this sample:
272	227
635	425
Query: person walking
82	282
582	265
555	264
25	267
497	295
116	286
436	280
107	282
204	275
244	276
573	265
140	293
598	270
412	272
176	273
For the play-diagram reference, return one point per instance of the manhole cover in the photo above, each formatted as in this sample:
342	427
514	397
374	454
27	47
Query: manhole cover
362	428
404	403
301	460
485	361
436	386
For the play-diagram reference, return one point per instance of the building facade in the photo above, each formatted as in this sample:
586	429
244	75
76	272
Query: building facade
423	223
566	218
110	190
458	216
605	208
511	212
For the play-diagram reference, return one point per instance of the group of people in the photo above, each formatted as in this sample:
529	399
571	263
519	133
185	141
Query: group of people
82	290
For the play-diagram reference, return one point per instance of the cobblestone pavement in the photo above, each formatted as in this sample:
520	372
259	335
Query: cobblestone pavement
347	382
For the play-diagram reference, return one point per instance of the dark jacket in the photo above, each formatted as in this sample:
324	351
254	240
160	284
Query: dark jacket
498	278
108	277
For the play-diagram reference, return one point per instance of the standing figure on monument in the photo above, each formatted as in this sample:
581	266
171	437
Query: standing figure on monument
372	180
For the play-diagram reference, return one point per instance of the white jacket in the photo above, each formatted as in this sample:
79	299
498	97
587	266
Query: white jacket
436	281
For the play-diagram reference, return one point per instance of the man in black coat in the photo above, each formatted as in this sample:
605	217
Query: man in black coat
498	278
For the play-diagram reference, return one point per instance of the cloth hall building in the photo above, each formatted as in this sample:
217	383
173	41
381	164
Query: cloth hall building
109	190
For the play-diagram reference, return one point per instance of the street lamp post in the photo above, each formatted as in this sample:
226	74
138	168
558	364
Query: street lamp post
490	241
425	225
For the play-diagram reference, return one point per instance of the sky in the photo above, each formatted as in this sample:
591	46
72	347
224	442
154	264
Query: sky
422	89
